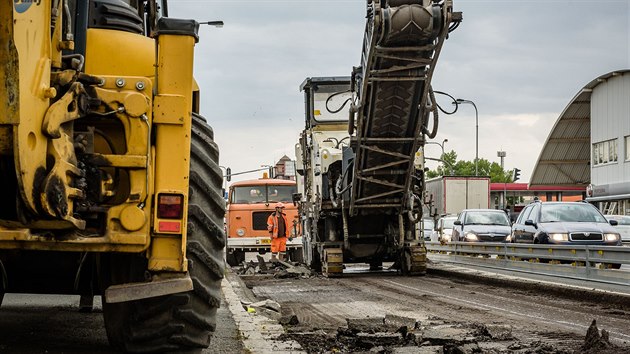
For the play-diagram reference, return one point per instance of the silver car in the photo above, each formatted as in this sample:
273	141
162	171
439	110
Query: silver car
623	227
482	225
444	229
427	229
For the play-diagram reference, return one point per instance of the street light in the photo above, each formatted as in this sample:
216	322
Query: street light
502	155
441	146
459	101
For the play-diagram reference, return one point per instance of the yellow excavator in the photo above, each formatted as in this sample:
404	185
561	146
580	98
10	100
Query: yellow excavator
109	177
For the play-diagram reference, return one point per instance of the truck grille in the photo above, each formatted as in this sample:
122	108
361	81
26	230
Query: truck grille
586	236
259	220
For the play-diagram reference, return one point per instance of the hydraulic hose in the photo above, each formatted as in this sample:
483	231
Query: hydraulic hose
412	218
432	109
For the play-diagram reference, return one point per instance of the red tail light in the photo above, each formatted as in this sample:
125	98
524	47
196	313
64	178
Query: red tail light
170	206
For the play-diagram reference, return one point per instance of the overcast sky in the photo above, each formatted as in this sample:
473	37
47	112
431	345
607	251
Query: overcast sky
521	62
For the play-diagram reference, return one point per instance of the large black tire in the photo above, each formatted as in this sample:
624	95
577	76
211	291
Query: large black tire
235	258
180	322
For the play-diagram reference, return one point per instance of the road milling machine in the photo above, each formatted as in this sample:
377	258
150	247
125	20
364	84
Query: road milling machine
109	177
361	193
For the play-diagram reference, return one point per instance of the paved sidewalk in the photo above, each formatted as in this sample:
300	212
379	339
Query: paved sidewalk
257	332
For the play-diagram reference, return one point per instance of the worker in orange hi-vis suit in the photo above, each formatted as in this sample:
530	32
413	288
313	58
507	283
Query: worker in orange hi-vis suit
278	227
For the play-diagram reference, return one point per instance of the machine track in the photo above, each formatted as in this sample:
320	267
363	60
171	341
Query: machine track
414	260
332	266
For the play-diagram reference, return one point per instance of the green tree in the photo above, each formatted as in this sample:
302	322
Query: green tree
450	166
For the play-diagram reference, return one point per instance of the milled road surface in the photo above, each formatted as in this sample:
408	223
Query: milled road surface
455	313
536	317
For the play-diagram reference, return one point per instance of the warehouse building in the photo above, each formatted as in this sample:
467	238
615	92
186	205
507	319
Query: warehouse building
589	145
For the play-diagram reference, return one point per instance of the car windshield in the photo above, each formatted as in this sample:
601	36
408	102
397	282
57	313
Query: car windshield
580	212
448	222
486	218
621	219
262	194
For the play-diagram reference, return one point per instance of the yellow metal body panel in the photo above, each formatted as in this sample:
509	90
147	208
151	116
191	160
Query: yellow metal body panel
174	78
34	49
166	254
9	75
118	53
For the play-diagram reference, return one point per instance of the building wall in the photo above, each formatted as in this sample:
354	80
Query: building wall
610	122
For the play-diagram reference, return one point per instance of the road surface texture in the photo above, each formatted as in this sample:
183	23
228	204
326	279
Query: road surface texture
454	314
53	324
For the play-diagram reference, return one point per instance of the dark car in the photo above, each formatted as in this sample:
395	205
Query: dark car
564	223
481	225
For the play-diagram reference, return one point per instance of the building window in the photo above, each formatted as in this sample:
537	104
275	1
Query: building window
627	144
606	152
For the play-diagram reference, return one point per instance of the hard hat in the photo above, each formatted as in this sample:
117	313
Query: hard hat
279	205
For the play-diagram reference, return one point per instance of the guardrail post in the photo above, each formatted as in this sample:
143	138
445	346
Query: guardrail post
588	264
505	253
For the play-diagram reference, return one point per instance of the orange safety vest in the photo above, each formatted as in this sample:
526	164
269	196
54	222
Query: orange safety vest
272	224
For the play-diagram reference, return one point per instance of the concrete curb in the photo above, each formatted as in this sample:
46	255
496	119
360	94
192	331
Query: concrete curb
256	331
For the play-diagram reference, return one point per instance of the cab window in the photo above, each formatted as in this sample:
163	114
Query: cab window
248	195
281	193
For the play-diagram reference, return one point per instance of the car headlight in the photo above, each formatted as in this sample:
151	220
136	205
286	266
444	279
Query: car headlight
447	237
472	237
611	237
240	232
559	237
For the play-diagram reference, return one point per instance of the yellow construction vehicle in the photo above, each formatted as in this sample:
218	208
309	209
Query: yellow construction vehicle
109	179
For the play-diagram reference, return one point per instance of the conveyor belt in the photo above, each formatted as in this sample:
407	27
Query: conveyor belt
402	42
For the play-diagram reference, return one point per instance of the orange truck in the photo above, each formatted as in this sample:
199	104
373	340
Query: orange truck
249	205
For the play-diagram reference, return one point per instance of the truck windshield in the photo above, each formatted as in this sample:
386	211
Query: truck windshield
262	194
331	103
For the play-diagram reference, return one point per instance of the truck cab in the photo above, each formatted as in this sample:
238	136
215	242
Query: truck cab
249	205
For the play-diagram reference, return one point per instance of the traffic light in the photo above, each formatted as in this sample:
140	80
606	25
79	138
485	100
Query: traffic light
228	174
517	175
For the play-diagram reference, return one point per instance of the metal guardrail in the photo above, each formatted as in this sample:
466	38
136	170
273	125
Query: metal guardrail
574	253
582	262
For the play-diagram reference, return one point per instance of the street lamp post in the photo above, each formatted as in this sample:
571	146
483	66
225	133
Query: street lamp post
441	146
502	155
459	100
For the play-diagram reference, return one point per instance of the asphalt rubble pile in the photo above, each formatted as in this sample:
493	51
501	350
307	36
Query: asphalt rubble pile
597	341
276	268
400	335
